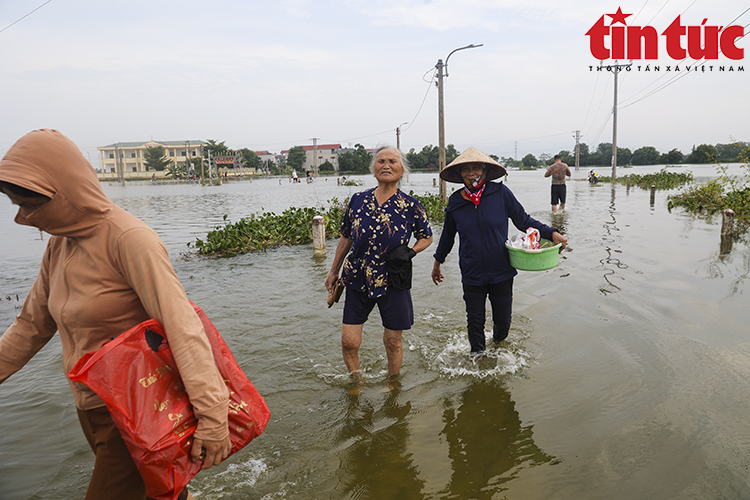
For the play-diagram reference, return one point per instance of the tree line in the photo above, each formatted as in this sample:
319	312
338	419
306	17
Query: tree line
357	160
737	151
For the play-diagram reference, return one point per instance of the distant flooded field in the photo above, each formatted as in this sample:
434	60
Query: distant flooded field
626	373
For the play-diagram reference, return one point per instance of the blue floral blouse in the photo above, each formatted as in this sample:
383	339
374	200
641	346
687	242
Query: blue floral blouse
375	230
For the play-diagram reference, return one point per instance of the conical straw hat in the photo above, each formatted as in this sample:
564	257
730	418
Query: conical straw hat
493	169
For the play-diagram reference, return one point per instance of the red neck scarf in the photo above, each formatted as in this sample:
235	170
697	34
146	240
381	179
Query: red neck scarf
476	195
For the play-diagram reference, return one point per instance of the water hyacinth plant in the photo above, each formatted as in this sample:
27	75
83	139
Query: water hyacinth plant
292	227
260	232
725	192
661	179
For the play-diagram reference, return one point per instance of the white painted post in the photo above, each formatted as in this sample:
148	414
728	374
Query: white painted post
319	235
727	221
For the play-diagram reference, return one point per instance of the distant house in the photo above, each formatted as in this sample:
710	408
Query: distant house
265	156
130	154
325	152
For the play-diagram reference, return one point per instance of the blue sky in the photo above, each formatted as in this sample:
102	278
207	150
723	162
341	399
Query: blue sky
271	75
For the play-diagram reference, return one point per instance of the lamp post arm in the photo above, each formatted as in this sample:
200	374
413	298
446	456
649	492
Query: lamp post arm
472	46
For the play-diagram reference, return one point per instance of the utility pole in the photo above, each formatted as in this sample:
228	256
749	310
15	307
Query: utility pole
614	120
441	129
202	165
578	148
398	136
315	156
118	164
515	155
441	115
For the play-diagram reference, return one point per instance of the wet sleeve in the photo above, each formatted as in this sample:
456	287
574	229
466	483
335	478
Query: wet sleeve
346	223
422	227
32	328
522	220
447	238
146	266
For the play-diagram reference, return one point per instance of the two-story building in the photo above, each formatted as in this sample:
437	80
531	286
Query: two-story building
129	156
324	152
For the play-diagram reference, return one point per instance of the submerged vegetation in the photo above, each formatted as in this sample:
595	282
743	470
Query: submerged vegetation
725	192
260	232
292	227
434	207
661	179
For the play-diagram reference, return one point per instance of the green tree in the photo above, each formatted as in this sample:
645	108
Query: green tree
566	157
175	171
673	157
216	148
357	161
327	167
296	157
705	153
251	160
647	155
529	160
155	157
731	151
198	167
624	156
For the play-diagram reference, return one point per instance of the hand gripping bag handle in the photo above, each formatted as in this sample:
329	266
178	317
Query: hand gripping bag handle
136	377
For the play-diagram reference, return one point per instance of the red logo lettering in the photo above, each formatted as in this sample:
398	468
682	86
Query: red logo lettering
608	41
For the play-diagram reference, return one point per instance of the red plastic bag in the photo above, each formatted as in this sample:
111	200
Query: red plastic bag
136	376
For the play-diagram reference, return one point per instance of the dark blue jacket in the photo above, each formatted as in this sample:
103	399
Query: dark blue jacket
483	230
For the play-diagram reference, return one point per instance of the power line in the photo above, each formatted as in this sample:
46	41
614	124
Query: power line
676	78
429	86
24	17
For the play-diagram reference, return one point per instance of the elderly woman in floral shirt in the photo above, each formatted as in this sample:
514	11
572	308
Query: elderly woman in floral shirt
377	227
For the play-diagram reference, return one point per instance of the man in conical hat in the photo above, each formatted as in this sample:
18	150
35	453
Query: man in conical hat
479	213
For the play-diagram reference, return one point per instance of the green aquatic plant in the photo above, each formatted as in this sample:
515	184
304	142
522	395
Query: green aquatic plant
292	227
661	179
267	230
725	192
434	207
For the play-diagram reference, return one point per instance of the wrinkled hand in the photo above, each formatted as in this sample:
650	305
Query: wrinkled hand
210	452
437	276
559	238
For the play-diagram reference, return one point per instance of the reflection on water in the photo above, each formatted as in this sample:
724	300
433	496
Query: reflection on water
628	361
487	442
611	263
374	450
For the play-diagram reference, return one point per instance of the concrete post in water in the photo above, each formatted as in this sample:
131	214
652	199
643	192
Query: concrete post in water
319	235
653	195
628	181
434	182
727	221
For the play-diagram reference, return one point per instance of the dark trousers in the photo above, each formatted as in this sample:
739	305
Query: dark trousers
501	301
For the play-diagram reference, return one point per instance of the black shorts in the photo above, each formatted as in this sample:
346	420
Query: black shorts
396	310
558	194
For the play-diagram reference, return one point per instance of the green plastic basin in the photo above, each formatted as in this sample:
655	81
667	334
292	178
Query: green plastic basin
534	260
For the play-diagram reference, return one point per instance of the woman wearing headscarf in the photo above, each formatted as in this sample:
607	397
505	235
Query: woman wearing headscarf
103	272
479	213
377	227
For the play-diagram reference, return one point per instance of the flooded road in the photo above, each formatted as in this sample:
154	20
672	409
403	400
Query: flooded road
626	373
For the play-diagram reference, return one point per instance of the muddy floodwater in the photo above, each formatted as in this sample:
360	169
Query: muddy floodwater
626	374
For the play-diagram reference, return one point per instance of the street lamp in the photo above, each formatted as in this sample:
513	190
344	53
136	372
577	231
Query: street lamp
398	136
441	115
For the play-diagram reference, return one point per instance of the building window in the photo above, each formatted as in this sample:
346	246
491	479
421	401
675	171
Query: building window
111	155
132	155
171	152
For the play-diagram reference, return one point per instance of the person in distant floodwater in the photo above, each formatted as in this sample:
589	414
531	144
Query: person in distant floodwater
558	171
